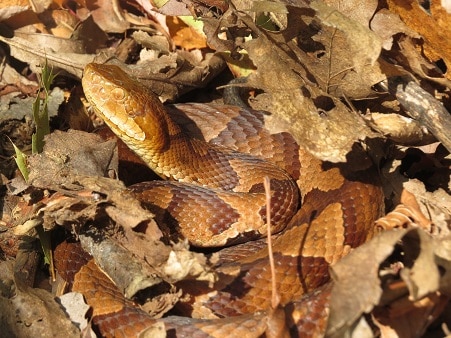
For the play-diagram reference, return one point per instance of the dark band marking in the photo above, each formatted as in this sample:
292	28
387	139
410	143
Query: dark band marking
249	292
196	206
280	201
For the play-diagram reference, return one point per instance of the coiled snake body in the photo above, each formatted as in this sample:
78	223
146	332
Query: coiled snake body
224	200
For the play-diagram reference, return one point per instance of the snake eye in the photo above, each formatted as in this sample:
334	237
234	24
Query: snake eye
118	94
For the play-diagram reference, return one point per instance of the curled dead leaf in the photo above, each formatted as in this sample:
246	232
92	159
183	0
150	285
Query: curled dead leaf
400	129
418	278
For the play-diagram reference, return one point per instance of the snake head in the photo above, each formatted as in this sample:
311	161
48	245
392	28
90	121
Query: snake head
129	108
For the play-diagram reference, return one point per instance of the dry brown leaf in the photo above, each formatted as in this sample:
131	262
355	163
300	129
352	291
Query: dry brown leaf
192	8
423	107
360	11
108	15
63	23
77	310
36	55
14	106
406	319
433	27
321	123
147	264
420	272
404	216
362	264
185	36
408	199
89	34
402	130
159	305
70	154
28	312
386	24
172	75
418	64
173	263
154	44
419	275
129	273
345	53
175	8
11	76
365	45
443	257
435	204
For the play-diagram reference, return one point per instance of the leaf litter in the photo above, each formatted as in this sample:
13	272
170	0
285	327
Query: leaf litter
333	62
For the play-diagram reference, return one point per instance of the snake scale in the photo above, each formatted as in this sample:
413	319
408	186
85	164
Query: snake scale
215	165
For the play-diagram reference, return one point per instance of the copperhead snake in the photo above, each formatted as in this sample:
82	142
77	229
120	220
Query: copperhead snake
216	198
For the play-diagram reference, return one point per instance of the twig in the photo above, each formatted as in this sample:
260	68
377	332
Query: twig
275	297
423	107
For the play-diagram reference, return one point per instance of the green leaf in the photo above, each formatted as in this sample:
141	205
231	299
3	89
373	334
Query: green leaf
46	244
40	110
21	161
47	78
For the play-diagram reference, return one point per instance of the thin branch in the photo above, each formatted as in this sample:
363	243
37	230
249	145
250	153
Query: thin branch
275	297
423	107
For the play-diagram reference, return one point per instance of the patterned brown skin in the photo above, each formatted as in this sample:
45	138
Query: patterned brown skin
339	205
114	316
136	115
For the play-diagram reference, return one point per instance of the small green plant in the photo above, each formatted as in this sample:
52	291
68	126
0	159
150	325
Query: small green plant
46	245
21	161
40	110
41	119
